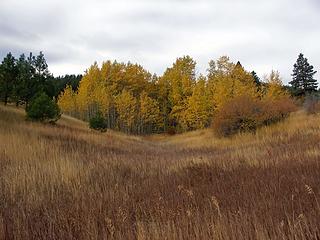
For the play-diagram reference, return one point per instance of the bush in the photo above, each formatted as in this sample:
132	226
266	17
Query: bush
171	131
42	108
273	111
98	122
245	114
312	104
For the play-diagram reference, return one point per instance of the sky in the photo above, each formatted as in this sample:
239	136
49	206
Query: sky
262	35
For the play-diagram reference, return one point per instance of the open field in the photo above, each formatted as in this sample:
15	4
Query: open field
68	182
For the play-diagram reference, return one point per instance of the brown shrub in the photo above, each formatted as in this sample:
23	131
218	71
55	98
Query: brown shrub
273	111
171	131
245	114
312	104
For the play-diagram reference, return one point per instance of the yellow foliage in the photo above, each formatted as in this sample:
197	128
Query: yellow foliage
149	111
275	88
67	100
198	112
126	105
228	83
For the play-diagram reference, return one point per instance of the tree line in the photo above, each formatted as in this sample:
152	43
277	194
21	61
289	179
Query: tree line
23	78
131	99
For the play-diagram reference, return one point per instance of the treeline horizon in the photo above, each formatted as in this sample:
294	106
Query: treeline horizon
131	99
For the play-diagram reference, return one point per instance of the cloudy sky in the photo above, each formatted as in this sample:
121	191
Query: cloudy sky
262	35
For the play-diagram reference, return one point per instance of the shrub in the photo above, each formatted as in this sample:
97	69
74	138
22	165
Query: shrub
312	104
273	111
171	131
42	108
98	122
237	115
245	114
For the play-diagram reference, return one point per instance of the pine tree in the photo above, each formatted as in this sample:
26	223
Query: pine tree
8	74
41	74
303	81
44	109
256	78
25	87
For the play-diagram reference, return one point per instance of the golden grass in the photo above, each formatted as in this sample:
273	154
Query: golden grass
68	182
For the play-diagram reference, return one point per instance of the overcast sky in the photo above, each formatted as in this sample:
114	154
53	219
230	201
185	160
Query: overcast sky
262	35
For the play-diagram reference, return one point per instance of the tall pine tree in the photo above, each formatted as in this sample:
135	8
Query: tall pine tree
303	81
8	74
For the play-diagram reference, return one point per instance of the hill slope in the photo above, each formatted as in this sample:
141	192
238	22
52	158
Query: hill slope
68	182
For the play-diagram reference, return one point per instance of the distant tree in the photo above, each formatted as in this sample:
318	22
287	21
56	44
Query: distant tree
149	114
199	109
303	81
98	122
43	109
67	100
87	97
61	82
274	87
42	78
25	87
256	78
180	80
231	80
8	74
126	105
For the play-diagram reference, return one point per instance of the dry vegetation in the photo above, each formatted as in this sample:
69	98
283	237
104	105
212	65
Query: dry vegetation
67	182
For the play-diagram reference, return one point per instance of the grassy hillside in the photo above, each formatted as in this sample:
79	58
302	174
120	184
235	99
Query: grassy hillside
68	182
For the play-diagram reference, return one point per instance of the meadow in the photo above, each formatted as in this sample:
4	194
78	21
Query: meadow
66	181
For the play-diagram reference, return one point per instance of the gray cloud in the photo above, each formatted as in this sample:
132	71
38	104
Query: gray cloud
263	35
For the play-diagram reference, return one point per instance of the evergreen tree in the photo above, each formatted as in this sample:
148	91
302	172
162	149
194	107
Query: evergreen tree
256	78
303	81
42	78
7	77
43	109
25	87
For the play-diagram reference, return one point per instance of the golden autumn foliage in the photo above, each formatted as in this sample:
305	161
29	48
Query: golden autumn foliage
150	115
198	112
228	81
275	89
126	105
134	101
67	100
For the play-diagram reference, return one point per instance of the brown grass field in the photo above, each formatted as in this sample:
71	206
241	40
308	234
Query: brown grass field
68	182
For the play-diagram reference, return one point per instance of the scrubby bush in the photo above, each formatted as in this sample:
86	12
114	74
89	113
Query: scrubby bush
171	131
312	104
98	122
237	115
245	114
273	111
42	108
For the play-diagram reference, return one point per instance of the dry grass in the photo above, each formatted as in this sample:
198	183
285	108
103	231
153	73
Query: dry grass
67	182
